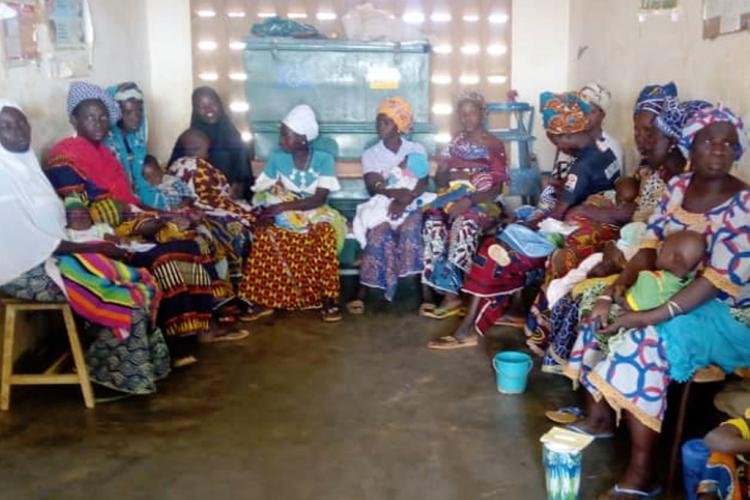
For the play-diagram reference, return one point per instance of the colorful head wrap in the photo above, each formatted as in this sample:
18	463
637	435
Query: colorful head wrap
708	116
107	211
471	96
84	91
564	113
126	91
397	109
652	97
74	202
301	120
675	114
597	94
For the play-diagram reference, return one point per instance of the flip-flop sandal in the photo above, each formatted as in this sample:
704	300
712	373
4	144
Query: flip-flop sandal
230	337
426	307
617	493
227	319
510	321
567	415
257	314
331	314
442	313
355	307
184	361
575	428
449	342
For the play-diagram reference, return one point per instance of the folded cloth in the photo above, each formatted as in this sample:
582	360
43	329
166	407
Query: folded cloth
525	240
550	225
560	287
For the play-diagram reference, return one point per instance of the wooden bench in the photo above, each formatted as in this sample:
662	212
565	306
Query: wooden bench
51	376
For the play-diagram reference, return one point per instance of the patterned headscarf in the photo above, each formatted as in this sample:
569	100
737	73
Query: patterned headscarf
597	94
675	114
84	91
709	116
397	109
107	211
125	91
471	96
564	113
652	97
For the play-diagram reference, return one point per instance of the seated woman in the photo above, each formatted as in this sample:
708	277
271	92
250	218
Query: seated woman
228	152
228	221
83	165
126	352
704	323
451	234
491	282
293	262
393	250
659	147
128	141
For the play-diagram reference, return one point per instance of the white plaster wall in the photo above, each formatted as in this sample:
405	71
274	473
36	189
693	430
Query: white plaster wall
120	53
170	73
625	54
540	44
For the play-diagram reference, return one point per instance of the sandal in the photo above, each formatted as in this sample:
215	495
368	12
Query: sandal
331	314
449	342
579	430
443	313
617	493
230	336
426	307
227	314
566	415
355	307
253	313
514	322
184	361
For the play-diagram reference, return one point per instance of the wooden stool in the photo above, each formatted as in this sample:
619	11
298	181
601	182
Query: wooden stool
49	377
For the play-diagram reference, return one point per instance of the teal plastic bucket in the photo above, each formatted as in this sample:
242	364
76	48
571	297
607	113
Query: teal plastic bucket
512	371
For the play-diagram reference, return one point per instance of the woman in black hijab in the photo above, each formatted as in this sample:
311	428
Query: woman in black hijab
227	151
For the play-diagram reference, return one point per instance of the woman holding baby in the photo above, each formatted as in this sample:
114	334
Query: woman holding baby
475	163
396	172
704	322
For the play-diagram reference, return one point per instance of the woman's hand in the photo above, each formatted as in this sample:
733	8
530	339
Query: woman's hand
600	312
403	196
269	213
628	320
108	249
396	209
459	208
149	227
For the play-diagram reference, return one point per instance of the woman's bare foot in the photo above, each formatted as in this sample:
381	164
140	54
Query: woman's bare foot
451	301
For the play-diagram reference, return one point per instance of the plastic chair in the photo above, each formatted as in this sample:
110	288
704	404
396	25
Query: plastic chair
526	179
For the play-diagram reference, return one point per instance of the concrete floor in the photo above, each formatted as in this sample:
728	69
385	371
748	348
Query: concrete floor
303	410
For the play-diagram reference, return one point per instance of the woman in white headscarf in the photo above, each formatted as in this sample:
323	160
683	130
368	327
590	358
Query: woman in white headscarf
126	352
293	261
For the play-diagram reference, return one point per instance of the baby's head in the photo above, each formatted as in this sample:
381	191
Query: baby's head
152	172
681	253
626	190
192	142
613	262
77	214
